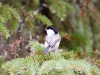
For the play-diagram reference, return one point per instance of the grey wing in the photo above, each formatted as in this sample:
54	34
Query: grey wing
53	40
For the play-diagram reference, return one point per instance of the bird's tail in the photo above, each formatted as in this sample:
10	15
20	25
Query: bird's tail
46	50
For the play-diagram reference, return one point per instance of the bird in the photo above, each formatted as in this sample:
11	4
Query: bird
52	40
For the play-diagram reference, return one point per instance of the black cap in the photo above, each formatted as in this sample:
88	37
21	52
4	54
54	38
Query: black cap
52	28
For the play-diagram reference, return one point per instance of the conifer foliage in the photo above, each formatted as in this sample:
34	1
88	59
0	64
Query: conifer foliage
8	19
53	63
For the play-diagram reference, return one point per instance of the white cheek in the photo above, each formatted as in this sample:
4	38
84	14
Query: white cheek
50	32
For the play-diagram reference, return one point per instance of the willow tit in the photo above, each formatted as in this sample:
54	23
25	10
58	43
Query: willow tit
52	39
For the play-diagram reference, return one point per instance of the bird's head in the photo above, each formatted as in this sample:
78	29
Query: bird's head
51	30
